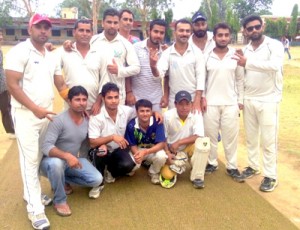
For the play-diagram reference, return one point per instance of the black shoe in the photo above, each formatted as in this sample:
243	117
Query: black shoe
146	164
198	183
210	169
249	172
268	184
235	174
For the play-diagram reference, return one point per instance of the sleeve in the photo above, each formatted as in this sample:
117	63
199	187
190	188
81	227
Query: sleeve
239	78
53	131
163	62
200	71
129	134
133	65
160	134
95	127
17	59
273	63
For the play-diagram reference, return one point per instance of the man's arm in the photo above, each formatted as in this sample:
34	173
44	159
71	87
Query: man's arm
61	86
121	141
13	78
185	141
130	98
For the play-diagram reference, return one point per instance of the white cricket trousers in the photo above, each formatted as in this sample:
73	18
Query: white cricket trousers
261	124
226	119
30	131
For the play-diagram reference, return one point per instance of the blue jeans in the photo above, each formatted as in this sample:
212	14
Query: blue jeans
59	173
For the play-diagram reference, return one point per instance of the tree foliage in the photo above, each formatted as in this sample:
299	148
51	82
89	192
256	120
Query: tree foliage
276	29
293	30
168	19
5	8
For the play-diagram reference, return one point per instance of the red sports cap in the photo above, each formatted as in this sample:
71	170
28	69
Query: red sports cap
37	18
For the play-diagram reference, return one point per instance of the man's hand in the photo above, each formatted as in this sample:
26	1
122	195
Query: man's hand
203	104
73	161
153	54
241	106
158	117
113	68
174	147
196	107
42	113
164	102
68	45
130	99
139	155
240	58
49	46
121	141
96	108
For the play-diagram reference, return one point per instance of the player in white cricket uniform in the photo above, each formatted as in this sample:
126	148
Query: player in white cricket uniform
222	99
120	58
30	72
82	64
184	64
262	59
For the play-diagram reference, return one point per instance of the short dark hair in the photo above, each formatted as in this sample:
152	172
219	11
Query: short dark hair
221	25
159	22
127	11
110	12
251	18
77	90
109	86
143	103
83	21
183	21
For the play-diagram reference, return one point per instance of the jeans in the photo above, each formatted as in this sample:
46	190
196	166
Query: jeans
59	173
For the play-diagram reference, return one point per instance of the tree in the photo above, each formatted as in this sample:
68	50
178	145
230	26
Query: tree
168	19
5	7
293	23
145	7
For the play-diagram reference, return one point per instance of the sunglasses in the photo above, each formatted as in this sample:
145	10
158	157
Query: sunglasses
251	28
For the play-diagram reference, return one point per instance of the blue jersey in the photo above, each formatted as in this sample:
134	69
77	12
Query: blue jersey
137	137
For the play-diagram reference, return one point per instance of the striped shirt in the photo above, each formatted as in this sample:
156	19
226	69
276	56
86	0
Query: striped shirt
145	85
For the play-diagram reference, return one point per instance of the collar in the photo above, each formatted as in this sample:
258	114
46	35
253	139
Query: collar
137	125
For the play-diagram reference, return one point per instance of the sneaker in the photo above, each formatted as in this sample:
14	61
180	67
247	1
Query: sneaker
198	183
236	175
268	184
131	173
154	178
95	192
46	200
108	177
39	221
210	169
249	172
146	164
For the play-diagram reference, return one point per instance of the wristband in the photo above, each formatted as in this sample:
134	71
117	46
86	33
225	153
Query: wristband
64	93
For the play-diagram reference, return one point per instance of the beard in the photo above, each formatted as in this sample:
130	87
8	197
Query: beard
154	41
256	37
200	33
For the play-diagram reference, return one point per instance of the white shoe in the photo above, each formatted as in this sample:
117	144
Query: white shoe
154	178
95	192
46	200
108	177
39	221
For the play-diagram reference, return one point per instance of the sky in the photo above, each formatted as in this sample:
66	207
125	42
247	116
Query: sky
184	8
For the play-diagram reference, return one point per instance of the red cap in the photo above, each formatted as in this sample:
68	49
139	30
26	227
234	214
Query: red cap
37	18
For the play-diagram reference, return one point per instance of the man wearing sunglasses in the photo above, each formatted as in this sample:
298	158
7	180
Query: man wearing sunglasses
262	59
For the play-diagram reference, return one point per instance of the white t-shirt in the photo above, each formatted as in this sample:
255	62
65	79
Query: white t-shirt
84	71
122	51
39	71
263	71
186	72
102	125
175	129
224	84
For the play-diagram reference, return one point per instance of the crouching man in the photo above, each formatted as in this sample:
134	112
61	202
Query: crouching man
146	138
61	145
184	131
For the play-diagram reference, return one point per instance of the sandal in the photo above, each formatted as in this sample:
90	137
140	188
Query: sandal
62	209
68	189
